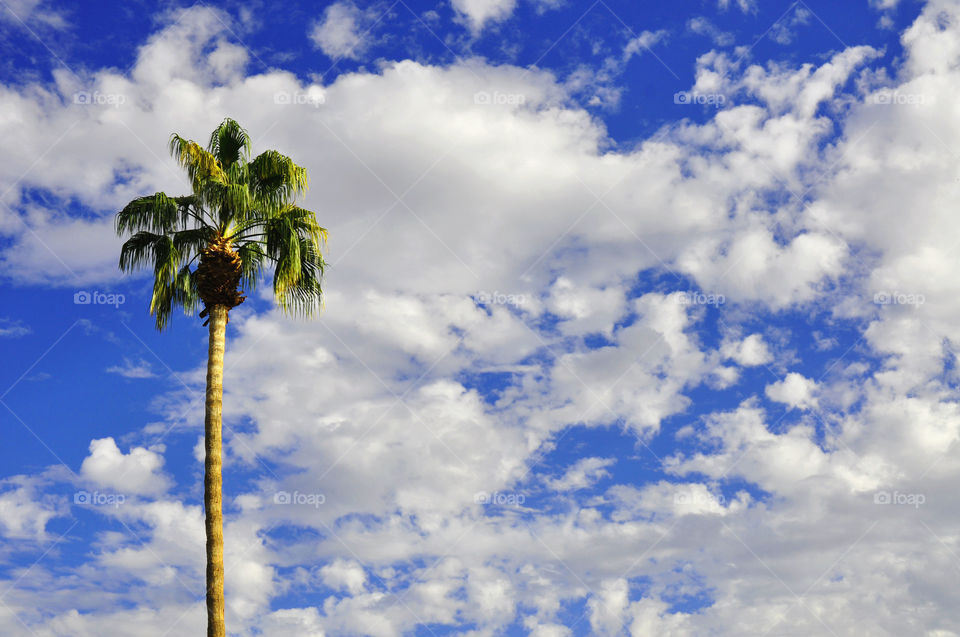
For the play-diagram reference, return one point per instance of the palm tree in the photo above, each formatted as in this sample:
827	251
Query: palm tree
240	219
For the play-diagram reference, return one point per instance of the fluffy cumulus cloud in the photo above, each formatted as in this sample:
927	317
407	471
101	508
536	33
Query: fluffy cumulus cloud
748	352
794	390
477	13
365	437
25	510
340	33
136	472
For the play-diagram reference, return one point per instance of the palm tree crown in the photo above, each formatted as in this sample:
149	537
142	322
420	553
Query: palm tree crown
240	218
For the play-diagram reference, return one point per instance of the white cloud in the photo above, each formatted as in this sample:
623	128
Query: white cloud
12	329
131	369
723	377
794	390
340	33
137	472
643	42
546	630
343	574
749	352
399	476
584	473
747	6
25	510
783	31
703	26
477	13
591	309
667	498
33	13
611	612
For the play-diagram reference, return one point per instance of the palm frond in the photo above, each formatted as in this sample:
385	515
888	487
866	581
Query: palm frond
201	165
248	203
300	220
298	275
237	201
140	250
252	257
192	242
229	143
275	179
305	223
157	213
179	290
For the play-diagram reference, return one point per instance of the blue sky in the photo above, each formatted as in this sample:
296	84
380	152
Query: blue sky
639	320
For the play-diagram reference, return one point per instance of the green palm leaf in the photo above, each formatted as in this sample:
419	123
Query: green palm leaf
247	205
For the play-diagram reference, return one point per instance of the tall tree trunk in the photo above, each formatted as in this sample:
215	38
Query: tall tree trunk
213	480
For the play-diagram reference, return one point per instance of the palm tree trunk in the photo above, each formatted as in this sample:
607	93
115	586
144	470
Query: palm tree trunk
213	480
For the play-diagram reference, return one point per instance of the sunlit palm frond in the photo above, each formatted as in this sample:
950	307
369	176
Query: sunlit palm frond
300	220
239	173
275	179
229	143
304	222
157	213
237	202
179	290
249	204
201	165
139	250
298	269
253	259
190	243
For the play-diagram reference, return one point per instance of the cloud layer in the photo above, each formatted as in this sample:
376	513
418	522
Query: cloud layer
410	459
